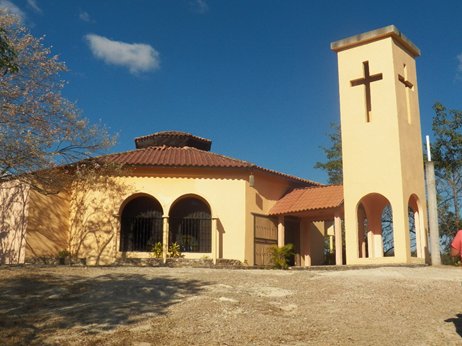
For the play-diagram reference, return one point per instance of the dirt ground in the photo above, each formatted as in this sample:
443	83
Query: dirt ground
190	306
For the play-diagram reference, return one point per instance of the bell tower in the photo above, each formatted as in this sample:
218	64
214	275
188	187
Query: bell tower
384	190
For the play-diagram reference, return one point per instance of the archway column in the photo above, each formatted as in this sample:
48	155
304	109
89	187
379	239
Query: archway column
165	229
378	244
370	244
214	240
338	240
375	239
281	231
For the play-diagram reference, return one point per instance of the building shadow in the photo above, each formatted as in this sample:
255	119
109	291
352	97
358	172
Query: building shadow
28	305
457	323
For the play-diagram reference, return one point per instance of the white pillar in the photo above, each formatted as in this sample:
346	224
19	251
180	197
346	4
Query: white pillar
378	245
165	230
214	241
370	244
338	240
281	231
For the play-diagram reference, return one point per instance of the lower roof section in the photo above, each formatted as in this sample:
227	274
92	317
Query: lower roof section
318	200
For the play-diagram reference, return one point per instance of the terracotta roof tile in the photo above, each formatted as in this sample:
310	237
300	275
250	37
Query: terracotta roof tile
165	156
310	198
174	157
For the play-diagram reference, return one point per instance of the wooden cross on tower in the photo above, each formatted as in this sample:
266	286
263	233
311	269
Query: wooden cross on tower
366	81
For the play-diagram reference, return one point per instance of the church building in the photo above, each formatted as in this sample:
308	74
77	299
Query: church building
173	189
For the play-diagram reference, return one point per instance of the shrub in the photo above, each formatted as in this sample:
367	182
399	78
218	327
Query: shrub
157	250
175	250
280	256
64	254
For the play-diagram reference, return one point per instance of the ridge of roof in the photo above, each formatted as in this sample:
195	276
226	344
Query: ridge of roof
173	139
171	133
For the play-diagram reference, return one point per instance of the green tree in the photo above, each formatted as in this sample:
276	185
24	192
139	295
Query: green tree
333	164
447	155
40	130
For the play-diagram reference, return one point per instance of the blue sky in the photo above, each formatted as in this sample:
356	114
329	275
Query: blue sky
256	77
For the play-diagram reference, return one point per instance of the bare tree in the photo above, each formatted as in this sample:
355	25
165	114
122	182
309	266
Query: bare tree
40	130
7	54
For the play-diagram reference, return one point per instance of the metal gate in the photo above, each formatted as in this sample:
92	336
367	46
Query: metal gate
140	233
192	234
266	236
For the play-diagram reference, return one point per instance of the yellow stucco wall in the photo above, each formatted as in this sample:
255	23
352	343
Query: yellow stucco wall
48	224
14	199
86	220
95	212
317	232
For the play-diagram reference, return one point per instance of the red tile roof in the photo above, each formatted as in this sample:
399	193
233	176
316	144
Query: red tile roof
310	198
174	157
165	156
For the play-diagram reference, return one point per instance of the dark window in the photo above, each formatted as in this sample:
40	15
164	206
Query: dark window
191	225
141	224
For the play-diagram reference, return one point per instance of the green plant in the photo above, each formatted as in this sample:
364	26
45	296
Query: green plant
157	250
64	254
175	250
280	256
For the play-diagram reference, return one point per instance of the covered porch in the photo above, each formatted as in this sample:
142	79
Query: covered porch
311	220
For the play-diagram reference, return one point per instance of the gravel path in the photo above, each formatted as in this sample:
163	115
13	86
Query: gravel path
191	306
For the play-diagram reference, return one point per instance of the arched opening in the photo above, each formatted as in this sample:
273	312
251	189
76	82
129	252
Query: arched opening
388	231
414	226
141	224
191	225
375	227
412	233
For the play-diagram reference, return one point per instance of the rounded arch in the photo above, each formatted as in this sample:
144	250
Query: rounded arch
130	198
190	196
191	224
375	226
141	223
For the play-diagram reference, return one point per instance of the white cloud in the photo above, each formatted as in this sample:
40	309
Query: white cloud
84	16
11	8
200	6
137	57
34	5
459	58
